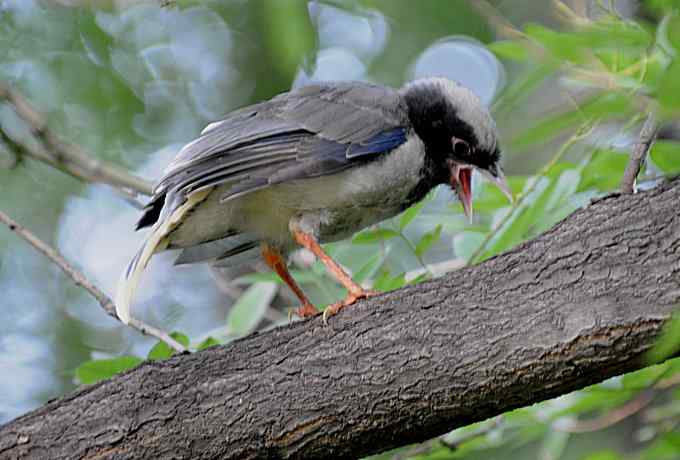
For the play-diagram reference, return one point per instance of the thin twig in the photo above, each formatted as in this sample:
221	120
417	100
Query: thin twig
130	198
569	15
15	150
495	18
157	333
613	417
80	280
639	153
69	158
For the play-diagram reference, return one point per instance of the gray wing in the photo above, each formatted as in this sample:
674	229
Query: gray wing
313	131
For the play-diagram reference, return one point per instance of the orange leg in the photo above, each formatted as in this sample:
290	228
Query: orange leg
355	293
273	259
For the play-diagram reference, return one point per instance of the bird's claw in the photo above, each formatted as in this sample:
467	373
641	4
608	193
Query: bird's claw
351	298
305	311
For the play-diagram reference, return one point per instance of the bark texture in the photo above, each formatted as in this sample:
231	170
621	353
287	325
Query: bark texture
575	306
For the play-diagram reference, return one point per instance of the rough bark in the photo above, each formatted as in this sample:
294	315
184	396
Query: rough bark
575	306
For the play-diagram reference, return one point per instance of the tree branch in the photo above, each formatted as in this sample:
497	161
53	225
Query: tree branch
581	303
639	153
81	280
66	157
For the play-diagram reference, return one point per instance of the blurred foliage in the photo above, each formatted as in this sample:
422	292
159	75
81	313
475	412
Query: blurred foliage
126	82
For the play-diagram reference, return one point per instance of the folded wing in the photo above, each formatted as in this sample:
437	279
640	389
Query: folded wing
313	131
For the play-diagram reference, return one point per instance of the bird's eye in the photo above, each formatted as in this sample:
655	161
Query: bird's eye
460	147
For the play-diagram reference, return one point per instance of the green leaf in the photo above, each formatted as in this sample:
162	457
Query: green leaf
669	87
639	380
666	447
410	214
288	33
532	211
661	5
673	29
510	49
616	59
617	34
369	268
564	46
561	202
554	444
163	351
385	282
601	106
578	44
604	170
428	240
419	279
669	342
374	236
466	243
249	309
522	88
597	398
207	343
491	198
101	369
666	156
604	455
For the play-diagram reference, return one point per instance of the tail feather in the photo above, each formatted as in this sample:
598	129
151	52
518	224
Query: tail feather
152	211
217	249
156	242
241	255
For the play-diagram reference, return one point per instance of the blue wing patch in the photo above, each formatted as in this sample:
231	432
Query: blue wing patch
320	149
381	142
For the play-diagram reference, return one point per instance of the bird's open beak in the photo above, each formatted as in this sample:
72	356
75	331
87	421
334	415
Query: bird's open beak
461	183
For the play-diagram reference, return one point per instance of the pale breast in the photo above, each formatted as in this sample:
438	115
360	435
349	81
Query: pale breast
344	203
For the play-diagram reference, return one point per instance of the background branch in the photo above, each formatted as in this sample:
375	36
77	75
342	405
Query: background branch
581	303
81	280
635	405
66	157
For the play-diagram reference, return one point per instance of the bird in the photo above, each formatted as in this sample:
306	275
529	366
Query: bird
311	166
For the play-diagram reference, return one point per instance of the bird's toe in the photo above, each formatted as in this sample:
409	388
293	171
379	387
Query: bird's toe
351	298
306	310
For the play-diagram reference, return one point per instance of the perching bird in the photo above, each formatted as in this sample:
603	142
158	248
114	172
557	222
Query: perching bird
310	166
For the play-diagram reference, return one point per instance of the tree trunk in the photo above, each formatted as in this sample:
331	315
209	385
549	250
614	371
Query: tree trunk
575	306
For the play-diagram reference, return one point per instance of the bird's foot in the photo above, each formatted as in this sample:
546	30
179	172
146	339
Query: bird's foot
351	298
307	310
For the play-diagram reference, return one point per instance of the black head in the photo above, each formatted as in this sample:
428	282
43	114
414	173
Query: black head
458	133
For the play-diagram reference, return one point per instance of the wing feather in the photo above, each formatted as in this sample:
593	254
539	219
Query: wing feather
309	132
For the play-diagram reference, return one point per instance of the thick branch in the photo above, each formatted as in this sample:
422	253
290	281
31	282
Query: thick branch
577	305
